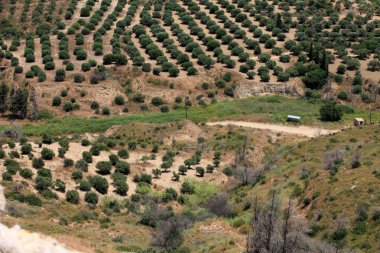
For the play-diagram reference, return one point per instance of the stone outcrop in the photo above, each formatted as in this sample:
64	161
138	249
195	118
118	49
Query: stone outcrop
291	89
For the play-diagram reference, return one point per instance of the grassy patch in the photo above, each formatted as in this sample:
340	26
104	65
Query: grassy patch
271	109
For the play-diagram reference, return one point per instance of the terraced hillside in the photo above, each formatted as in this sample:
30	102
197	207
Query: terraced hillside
127	45
166	126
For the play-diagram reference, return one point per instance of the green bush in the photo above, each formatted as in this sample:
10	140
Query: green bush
61	152
104	167
85	67
122	167
68	162
143	177
76	175
357	89
47	139
59	185
81	165
169	195
339	234
33	200
94	105
84	186
113	159
91	198
164	109
47	154
200	171
68	106
38	163
60	75
44	173
42	183
121	187
330	112
157	101
2	153
85	143
72	197
99	183
119	100
342	95
26	148
106	111
123	153
87	156
7	176
187	188
26	173
56	101
78	78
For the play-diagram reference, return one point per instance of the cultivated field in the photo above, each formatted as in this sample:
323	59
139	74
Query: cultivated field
163	126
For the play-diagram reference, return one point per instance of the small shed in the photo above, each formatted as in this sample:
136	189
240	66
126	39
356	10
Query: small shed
358	122
293	118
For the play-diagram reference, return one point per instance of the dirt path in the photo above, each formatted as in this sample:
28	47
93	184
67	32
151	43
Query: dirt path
300	130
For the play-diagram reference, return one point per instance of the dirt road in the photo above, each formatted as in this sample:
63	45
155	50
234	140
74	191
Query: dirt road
300	130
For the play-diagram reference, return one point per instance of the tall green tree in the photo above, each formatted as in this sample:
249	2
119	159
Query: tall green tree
324	65
19	103
3	97
279	23
311	52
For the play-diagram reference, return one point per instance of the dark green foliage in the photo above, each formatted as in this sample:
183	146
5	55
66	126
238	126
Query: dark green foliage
42	183
342	95
99	183
3	97
19	104
113	159
121	187
26	148
76	175
187	188
60	75
91	198
104	167
339	234
122	167
200	171
47	154
26	173
56	101
85	143
330	112
72	197
38	163
87	155
47	139
314	79
157	101
84	186
119	100
143	177
227	171
169	195
106	111
59	185
32	200
68	162
7	176
123	153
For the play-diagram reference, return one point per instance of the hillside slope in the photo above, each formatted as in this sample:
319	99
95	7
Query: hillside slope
335	180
